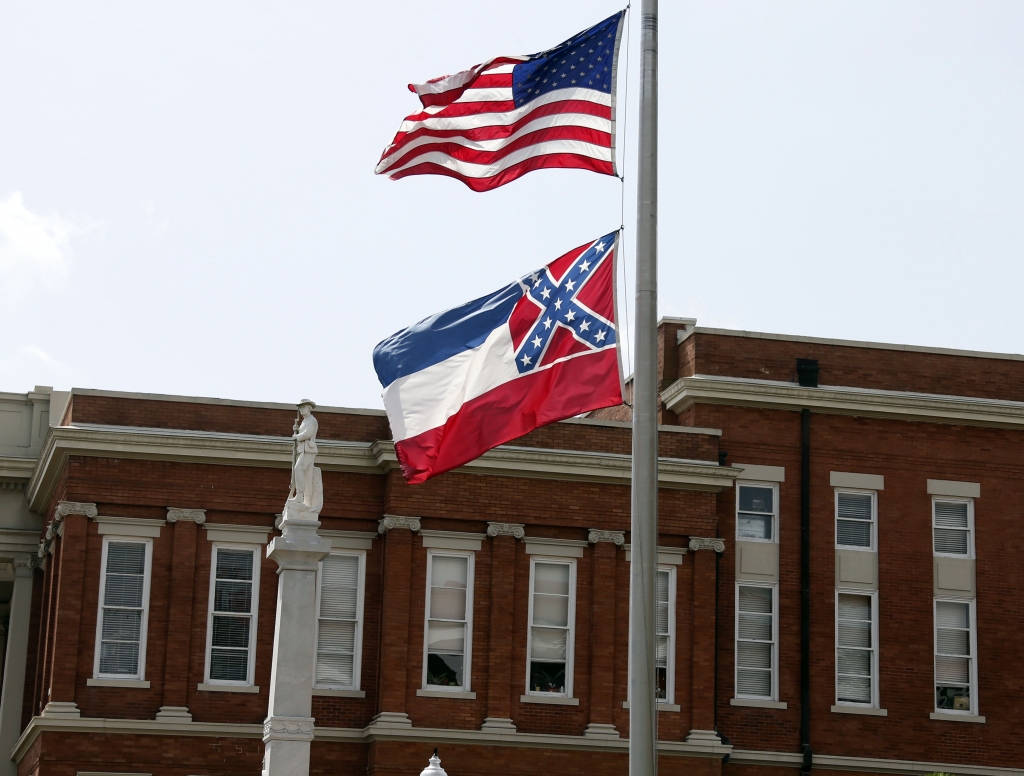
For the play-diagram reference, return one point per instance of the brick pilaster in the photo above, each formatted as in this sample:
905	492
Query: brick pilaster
394	627
184	523
602	661
499	664
702	698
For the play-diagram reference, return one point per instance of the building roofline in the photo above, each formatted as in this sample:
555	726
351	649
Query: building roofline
684	335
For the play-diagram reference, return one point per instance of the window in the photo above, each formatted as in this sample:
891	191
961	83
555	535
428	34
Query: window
339	624
448	636
124	609
756	638
231	632
755	513
856	652
955	647
952	524
855	519
666	633
552	612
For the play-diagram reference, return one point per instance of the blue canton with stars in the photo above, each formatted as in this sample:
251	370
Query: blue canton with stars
559	306
585	61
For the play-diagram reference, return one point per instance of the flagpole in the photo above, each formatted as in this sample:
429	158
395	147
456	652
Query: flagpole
643	723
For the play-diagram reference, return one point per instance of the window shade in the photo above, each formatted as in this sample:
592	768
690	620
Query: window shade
754	642
953	657
854	649
951	527
338	620
854	515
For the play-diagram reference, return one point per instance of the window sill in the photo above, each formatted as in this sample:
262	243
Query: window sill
553	700
855	549
860	710
227	688
458	695
661	706
757	704
326	691
142	684
950	717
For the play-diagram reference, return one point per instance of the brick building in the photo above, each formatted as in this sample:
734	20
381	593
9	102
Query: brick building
839	581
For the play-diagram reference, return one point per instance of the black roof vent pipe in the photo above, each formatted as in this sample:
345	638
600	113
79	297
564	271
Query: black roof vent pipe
807	372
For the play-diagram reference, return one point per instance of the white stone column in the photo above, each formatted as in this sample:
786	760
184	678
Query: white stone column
14	665
288	729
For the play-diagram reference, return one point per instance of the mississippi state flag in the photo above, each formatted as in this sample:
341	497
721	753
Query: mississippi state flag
489	125
541	349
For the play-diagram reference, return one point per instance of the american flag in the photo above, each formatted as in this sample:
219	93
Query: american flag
497	121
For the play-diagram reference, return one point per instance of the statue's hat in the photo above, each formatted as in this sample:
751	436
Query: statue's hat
310	402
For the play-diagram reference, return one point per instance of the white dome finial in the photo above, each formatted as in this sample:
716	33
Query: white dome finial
434	769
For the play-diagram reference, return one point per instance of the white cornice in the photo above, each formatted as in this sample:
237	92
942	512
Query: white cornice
334	455
838	400
93	725
15	468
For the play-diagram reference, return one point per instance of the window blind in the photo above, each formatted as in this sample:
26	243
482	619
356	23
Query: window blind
951	525
755	638
953	674
232	615
337	624
121	623
854	516
663	647
854	649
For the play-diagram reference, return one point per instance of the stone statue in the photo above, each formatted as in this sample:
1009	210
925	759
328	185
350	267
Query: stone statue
307	490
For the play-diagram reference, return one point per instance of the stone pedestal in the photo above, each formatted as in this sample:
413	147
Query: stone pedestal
288	729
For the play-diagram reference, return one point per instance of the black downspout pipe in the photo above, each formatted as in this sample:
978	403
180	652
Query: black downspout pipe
805	591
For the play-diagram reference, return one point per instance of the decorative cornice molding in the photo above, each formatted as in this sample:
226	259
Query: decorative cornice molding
515	530
718	545
197	516
618	538
65	508
390	522
839	400
128	442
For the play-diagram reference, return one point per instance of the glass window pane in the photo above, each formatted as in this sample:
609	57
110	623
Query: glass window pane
546	676
753	682
234	564
854	607
952	669
951	541
118	657
548	644
229	665
122	625
123	590
552	578
854	661
953	698
446	637
853	689
949	514
446	571
126	558
952	614
339	586
853	533
854	506
445	670
755	626
750	654
854	634
232	597
952	642
755	499
753	526
756	599
448	603
230	631
551	610
336	637
335	668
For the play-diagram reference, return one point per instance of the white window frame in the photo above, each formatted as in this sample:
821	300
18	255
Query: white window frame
970	526
257	557
973	641
357	656
774	486
467	655
144	633
775	641
875	694
570	639
670	663
874	519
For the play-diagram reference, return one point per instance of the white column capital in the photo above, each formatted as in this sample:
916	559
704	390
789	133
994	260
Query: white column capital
718	545
390	522
197	516
24	565
618	538
65	508
515	530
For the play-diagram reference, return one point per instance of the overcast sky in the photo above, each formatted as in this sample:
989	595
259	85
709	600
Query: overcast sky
187	203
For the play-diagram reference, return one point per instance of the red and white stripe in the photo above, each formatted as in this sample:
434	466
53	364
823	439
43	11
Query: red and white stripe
470	129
